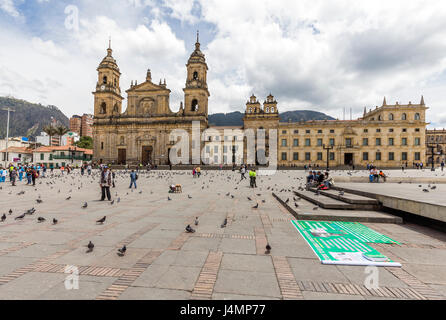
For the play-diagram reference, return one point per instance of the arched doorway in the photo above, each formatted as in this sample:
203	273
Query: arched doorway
146	155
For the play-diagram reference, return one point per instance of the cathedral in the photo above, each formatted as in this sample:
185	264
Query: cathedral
389	136
141	133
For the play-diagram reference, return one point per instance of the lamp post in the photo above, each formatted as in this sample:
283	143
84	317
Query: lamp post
432	147
328	148
7	133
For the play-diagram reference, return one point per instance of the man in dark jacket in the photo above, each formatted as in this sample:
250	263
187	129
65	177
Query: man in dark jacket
106	181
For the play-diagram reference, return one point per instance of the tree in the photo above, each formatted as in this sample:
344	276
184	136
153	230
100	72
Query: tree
60	131
85	142
50	131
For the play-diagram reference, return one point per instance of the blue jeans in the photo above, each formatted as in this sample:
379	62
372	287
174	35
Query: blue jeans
132	182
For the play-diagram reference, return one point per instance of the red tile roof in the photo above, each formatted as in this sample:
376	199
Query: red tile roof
18	150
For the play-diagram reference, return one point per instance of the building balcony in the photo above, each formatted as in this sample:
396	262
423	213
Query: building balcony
69	157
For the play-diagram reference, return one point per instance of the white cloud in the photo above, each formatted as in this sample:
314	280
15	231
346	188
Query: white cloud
9	7
311	54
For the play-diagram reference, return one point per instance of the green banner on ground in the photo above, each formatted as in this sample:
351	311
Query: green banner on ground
344	243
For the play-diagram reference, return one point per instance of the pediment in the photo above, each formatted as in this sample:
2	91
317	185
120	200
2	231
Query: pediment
146	137
148	86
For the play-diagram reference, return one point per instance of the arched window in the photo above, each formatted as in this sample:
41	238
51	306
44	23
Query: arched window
250	110
379	118
115	108
417	116
391	116
115	82
103	108
194	105
267	110
272	110
404	117
195	76
104	80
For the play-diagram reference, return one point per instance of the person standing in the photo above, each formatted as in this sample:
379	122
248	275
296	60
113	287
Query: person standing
89	169
198	172
442	165
113	177
13	176
34	176
133	178
21	174
106	180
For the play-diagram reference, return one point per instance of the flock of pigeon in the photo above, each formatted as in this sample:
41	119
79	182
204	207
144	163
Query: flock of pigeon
208	179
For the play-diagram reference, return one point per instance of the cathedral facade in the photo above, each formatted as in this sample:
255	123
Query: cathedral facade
387	136
141	133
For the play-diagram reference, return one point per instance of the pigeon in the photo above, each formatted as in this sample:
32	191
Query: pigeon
30	211
168	198
268	248
119	200
189	229
39	200
287	200
256	206
55	221
111	203
434	187
40	219
341	193
10	211
3	217
425	190
296	205
263	201
196	221
232	196
315	208
90	246
20	217
68	198
224	223
85	205
249	199
101	221
122	251
189	196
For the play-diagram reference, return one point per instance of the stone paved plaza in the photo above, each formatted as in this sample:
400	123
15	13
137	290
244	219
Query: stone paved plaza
164	262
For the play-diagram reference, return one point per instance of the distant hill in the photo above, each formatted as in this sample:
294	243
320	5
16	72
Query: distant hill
28	119
236	118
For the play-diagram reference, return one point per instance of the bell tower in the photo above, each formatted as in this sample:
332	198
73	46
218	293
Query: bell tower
107	97
196	92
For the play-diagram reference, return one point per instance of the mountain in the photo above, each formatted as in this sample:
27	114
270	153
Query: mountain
236	118
28	119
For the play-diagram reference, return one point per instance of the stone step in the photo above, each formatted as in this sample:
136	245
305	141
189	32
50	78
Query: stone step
347	197
324	201
362	216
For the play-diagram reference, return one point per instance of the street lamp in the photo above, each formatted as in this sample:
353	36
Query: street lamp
7	133
432	147
328	148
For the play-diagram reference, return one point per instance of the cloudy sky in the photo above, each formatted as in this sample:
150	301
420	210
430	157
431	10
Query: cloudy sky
310	54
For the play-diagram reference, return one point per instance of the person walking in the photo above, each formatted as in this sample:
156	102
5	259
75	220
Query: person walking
89	169
252	177
243	172
442	165
133	178
106	180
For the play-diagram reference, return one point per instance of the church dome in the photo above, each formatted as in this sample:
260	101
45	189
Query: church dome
109	61
197	56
